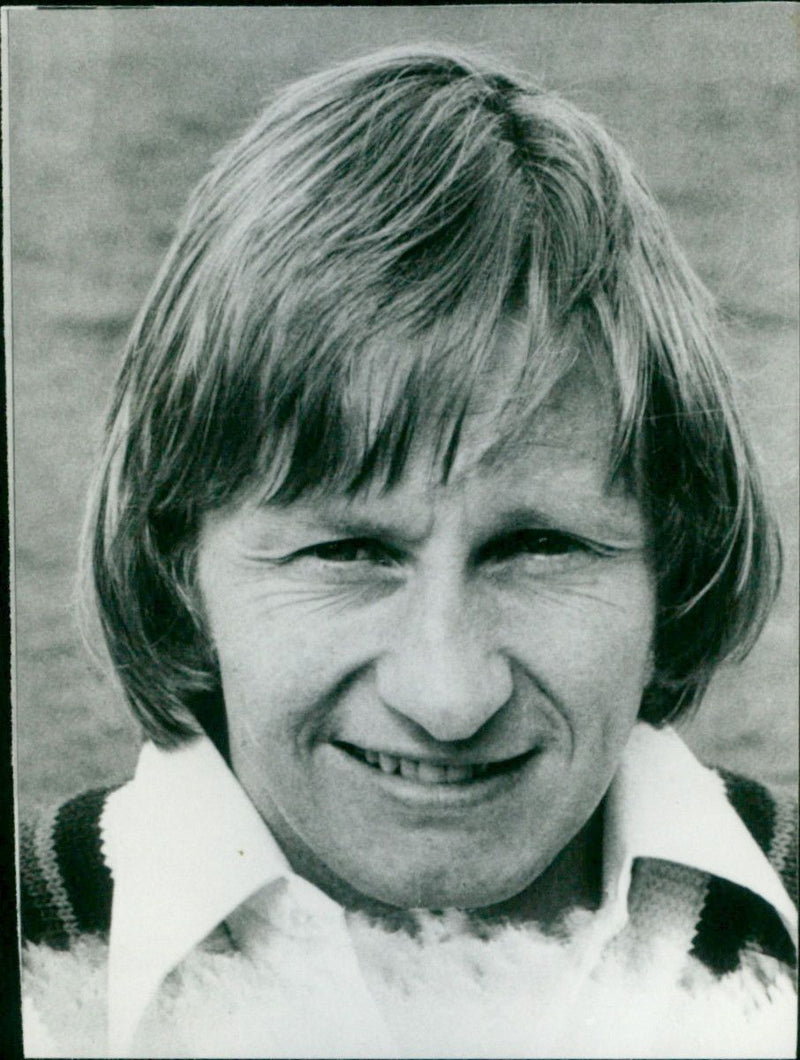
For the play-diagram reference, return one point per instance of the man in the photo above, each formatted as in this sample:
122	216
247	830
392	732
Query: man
424	508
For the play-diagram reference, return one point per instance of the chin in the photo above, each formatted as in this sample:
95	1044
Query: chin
443	889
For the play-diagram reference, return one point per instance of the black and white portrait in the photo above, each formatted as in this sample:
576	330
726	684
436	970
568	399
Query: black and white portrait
403	408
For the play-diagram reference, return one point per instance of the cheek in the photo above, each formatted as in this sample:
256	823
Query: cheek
592	646
279	676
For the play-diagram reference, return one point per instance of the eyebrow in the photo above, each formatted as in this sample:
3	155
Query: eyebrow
329	518
326	521
613	523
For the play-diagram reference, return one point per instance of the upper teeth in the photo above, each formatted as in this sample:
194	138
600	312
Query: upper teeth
424	772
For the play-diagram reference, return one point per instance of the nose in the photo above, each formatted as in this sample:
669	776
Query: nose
443	670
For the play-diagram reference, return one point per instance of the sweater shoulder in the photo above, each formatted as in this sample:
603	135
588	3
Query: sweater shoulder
735	922
771	818
65	884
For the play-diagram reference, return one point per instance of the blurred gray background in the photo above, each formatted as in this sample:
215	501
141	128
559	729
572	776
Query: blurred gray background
114	114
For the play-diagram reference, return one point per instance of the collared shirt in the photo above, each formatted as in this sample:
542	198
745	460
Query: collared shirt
184	820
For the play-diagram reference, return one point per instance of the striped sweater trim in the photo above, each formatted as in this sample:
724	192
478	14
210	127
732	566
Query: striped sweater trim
65	884
734	921
783	850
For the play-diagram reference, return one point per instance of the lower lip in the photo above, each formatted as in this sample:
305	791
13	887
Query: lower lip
447	796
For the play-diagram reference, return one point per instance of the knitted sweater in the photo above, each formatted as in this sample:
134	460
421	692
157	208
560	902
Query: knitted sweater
730	936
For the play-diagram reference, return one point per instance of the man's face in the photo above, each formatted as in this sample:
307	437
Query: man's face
428	690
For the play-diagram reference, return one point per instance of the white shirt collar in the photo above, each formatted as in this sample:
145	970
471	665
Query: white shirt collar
186	847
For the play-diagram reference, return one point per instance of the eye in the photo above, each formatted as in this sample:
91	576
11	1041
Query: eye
349	550
540	542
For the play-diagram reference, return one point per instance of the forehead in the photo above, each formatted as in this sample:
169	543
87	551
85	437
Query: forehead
551	391
555	475
555	463
575	422
432	409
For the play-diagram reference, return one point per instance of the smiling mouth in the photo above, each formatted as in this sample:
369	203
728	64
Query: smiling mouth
426	772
